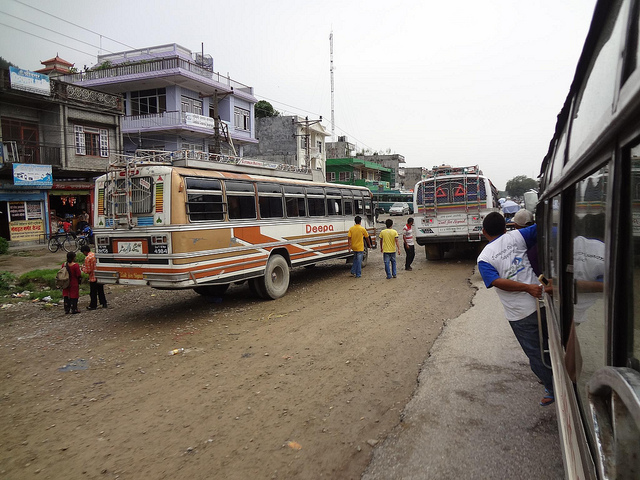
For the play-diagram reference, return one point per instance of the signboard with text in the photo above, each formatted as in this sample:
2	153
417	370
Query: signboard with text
23	230
31	174
29	81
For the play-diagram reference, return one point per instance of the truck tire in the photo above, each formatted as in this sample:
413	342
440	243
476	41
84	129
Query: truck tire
433	251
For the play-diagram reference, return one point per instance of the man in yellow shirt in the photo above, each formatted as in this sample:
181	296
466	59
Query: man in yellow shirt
389	246
355	240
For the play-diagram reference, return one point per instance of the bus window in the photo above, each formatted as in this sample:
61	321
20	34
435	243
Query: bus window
294	198
596	95
315	200
204	199
241	199
553	249
634	340
270	200
358	202
141	200
586	347
347	199
334	202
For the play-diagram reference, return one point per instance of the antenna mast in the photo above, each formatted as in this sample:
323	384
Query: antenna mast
333	123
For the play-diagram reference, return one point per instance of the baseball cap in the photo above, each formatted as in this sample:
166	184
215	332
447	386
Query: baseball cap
522	218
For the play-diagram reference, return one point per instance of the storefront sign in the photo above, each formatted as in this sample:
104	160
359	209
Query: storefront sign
29	81
17	211
28	174
199	120
24	230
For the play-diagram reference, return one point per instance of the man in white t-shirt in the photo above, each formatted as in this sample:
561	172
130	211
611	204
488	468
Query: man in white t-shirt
409	247
504	264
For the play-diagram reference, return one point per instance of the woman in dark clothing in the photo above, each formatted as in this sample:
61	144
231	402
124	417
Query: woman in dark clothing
72	292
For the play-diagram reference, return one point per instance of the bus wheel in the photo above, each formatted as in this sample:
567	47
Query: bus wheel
211	290
276	277
434	251
256	287
365	256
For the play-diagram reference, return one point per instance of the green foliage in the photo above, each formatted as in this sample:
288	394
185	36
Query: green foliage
7	282
517	186
103	66
4	246
40	278
6	64
264	109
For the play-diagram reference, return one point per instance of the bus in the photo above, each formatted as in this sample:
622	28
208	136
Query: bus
450	204
196	220
588	215
385	198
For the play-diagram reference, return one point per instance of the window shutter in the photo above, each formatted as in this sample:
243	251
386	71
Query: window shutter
104	142
80	147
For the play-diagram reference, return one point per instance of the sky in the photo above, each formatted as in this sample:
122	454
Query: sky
459	83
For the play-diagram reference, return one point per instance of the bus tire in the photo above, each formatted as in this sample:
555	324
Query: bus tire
211	290
276	277
256	287
433	251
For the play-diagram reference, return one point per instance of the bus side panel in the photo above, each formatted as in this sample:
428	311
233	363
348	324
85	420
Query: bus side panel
569	420
190	241
178	200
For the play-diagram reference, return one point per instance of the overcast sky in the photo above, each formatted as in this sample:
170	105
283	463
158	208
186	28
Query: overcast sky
460	83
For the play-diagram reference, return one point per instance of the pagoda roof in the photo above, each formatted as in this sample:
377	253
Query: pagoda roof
57	59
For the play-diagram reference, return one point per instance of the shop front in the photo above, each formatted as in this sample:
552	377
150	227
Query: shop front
70	202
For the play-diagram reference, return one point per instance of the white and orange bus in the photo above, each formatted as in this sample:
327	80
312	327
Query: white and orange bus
203	221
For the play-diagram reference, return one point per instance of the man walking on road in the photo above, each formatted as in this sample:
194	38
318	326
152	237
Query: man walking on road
355	240
388	246
96	290
504	264
409	247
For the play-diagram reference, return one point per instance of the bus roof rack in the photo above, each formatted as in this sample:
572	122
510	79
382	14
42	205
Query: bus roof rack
449	170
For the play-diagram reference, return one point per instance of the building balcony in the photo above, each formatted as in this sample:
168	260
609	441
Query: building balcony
18	152
170	121
79	95
160	67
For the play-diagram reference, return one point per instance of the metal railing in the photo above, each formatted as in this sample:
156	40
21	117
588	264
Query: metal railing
18	152
149	66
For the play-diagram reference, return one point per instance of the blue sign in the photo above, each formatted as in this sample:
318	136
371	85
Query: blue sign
26	174
29	81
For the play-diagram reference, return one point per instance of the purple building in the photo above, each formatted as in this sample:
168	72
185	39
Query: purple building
174	100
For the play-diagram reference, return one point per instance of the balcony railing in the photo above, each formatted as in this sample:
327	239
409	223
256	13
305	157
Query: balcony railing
17	152
149	66
167	119
76	94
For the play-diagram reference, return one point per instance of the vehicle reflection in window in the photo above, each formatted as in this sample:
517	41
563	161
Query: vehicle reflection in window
585	353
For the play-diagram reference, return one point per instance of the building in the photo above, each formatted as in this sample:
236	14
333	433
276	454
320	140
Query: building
394	162
291	140
356	171
56	138
174	100
413	175
341	149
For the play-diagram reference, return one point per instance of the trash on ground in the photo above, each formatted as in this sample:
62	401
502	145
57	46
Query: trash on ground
176	351
79	364
294	445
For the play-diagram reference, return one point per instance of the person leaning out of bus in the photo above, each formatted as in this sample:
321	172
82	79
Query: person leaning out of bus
504	264
96	290
388	246
356	239
71	294
409	246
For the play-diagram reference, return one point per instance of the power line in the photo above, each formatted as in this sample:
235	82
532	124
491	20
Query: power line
54	31
47	40
74	24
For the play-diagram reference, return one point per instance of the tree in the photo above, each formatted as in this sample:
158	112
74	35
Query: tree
520	184
6	64
264	109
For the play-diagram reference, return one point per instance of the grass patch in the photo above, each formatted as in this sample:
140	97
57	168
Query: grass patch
41	283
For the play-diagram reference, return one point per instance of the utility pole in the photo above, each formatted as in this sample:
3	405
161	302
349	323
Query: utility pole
333	122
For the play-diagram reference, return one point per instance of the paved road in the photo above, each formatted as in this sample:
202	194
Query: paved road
475	414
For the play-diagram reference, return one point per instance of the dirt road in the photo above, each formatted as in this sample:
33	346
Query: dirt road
301	387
